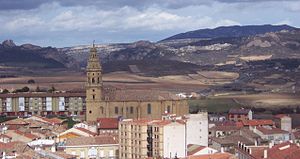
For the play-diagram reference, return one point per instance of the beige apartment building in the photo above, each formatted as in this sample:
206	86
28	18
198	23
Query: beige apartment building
105	147
152	138
24	104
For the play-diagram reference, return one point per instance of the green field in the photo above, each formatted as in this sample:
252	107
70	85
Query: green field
214	105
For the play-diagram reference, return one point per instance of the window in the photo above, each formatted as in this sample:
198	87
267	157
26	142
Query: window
131	110
101	110
169	109
90	112
93	97
98	81
93	80
116	110
149	108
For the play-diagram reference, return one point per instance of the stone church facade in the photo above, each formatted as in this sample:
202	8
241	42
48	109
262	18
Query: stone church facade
136	104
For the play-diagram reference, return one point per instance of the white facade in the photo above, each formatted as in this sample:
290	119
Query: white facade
206	151
92	128
21	104
61	104
286	123
8	105
174	142
48	103
197	129
250	115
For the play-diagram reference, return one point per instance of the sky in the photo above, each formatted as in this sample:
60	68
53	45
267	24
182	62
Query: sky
62	23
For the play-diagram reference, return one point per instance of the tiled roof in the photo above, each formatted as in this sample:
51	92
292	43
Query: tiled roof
232	140
28	135
18	121
5	136
257	122
225	128
165	122
108	123
281	116
97	140
268	131
42	94
86	131
239	111
192	149
284	150
138	95
13	146
212	156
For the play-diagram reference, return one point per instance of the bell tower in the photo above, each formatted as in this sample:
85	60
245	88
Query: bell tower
93	86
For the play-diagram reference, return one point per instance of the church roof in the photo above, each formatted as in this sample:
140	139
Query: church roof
138	95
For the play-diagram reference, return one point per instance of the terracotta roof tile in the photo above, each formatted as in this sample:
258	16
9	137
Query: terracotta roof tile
108	123
213	156
257	122
98	140
86	131
239	111
18	121
28	135
271	130
192	149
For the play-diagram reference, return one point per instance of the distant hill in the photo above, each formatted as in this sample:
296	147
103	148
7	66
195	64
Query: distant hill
32	56
230	31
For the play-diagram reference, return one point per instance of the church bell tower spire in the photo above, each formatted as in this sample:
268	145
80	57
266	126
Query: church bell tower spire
94	85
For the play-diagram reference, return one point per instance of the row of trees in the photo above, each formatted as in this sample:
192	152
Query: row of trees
27	89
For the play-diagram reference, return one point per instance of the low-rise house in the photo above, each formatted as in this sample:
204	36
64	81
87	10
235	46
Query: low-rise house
108	125
12	149
5	138
283	122
92	147
240	114
272	134
88	126
228	143
212	156
75	132
42	144
18	135
16	123
50	121
193	150
256	123
286	150
221	130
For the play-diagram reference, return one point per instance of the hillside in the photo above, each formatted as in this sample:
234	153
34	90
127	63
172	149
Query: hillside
221	50
32	56
230	31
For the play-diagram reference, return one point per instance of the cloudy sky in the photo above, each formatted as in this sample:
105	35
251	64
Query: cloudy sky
73	22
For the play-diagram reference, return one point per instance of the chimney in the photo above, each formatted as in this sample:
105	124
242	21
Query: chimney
250	151
271	144
265	153
222	149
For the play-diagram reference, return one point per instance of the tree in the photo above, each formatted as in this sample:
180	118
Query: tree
5	91
38	89
25	89
31	81
52	89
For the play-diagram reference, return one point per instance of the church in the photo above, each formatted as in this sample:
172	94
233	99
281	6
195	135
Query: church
102	102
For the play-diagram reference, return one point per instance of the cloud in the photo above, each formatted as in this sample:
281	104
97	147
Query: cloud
110	4
69	22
